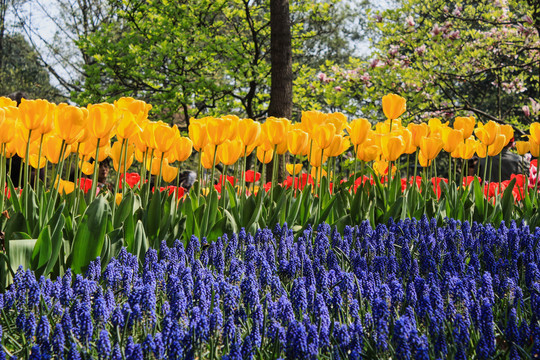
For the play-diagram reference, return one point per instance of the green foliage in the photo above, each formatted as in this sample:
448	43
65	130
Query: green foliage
202	57
21	70
445	58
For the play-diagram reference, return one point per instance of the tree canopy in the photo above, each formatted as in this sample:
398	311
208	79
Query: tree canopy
445	57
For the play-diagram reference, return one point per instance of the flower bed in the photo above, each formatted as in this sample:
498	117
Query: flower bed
409	289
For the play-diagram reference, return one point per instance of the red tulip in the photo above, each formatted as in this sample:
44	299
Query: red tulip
252	176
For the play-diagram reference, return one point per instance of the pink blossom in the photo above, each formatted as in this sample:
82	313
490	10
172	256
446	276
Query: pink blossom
322	76
436	30
527	19
338	88
535	106
374	63
410	21
421	49
526	110
393	50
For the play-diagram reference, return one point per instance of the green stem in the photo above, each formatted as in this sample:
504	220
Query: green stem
95	175
243	193
212	189
117	180
27	159
275	160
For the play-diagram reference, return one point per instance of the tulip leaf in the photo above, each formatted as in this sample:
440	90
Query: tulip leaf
90	234
153	215
56	223
256	212
140	242
231	221
42	250
478	197
507	202
14	198
20	253
125	209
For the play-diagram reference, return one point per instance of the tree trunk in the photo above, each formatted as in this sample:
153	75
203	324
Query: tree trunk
281	62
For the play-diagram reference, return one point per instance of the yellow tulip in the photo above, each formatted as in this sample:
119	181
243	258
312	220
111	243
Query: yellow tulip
436	127
430	147
312	119
358	131
535	134
66	187
264	156
148	135
339	120
297	142
508	132
7	125
127	126
34	161
138	108
276	130
69	123
481	149
293	169
338	146
164	136
422	160
198	134
229	152
466	124
5	102
393	106
118	198
233	128
249	132
101	120
392	146
451	138
207	156
32	113
523	147
498	145
218	129
465	149
324	135
86	167
116	153
182	149
315	156
487	134
168	172
534	149
380	167
406	135
51	148
367	152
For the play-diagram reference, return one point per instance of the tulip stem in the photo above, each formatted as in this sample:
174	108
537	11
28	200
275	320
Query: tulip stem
199	177
355	161
320	185
3	176
223	185
333	175
242	192
124	168
213	169
36	178
450	167
158	180
56	179
487	190
95	175
117	180
275	161
500	169
294	175
149	177
27	159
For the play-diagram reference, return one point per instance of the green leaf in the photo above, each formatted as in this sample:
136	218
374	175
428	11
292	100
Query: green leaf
90	235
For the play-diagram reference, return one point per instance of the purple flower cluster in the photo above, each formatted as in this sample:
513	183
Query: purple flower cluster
406	290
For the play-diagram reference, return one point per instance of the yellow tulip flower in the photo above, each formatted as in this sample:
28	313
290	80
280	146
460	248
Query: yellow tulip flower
392	146
508	132
51	148
69	123
431	147
481	149
276	130
293	169
229	152
5	102
466	124
312	119
487	134
182	149
32	113
198	134
535	134
324	135
451	139
523	147
168	172
118	198
138	108
218	129
264	156
207	156
419	131
358	131
297	142
498	145
127	126
393	106
249	131
101	120
116	153
339	145
164	136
